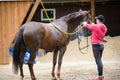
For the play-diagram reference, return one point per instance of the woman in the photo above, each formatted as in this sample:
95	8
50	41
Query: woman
98	33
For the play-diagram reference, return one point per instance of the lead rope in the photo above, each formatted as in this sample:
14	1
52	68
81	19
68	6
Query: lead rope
79	40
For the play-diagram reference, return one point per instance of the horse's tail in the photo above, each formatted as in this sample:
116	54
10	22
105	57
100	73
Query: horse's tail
17	50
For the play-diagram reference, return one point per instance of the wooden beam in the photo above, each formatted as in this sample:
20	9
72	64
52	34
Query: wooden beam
93	10
33	11
64	1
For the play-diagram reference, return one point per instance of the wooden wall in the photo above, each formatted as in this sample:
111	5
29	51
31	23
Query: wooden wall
11	17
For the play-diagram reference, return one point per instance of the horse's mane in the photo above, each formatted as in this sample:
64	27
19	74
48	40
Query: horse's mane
67	17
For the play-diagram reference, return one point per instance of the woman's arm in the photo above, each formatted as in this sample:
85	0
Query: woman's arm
89	26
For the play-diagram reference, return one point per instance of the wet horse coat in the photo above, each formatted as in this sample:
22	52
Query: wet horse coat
35	35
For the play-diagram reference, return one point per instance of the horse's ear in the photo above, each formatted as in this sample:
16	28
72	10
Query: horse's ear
80	10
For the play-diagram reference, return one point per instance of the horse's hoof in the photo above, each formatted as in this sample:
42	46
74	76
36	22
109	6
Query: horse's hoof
54	78
22	76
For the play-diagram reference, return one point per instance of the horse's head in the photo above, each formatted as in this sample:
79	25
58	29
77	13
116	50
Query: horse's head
85	15
77	18
87	18
73	20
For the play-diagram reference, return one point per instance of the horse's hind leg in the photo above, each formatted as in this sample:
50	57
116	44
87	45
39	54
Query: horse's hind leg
22	54
31	63
62	51
54	63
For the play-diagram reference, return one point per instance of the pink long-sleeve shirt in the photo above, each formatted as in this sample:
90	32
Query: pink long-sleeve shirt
98	32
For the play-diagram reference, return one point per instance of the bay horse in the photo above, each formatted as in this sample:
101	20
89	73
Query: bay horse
35	35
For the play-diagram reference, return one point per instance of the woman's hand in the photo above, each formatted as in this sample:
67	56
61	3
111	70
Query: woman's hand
84	23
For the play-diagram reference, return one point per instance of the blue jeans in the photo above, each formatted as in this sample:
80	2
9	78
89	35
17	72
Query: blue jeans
97	51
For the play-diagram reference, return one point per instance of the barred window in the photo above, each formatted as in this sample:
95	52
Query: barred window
51	13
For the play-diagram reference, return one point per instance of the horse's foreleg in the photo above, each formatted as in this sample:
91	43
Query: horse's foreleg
31	63
23	51
62	51
54	63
